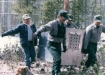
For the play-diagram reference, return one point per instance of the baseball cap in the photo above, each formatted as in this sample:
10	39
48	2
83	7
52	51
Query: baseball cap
26	16
70	17
63	13
98	18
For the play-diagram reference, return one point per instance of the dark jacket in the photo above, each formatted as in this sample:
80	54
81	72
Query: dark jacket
23	32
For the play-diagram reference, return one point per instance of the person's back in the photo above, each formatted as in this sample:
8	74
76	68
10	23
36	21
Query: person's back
69	23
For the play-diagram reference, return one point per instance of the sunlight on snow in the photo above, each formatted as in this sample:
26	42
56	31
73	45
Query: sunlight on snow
8	40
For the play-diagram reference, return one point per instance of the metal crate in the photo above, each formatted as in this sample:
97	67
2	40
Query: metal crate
72	56
74	39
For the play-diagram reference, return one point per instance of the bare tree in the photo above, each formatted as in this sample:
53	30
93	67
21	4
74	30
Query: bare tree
66	5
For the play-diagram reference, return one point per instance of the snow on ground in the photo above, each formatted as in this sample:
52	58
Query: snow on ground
8	67
9	40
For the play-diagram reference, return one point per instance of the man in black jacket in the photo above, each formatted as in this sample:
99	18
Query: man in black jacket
27	40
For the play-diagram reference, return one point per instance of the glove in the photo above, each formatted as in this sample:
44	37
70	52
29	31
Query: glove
2	35
36	34
64	49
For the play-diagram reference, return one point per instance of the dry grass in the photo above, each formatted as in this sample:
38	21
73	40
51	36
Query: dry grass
11	57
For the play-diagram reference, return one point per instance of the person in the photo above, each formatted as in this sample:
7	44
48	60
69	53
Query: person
56	36
69	23
92	36
27	39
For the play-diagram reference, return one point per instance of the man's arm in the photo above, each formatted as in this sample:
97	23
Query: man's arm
103	29
44	28
47	27
12	32
86	37
64	44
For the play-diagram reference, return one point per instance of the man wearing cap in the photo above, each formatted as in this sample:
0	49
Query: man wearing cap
69	23
27	40
56	36
92	36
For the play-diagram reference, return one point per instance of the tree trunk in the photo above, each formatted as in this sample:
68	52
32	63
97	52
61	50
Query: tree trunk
66	5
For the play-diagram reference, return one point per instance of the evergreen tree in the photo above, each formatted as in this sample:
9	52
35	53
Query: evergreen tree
50	9
24	7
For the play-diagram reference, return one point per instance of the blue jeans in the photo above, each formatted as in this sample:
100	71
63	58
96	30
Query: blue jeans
29	52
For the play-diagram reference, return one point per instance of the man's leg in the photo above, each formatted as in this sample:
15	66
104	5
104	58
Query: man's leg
32	53
27	56
91	55
56	61
90	59
87	64
93	58
55	51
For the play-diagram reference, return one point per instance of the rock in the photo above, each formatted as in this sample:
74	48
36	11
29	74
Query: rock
42	69
101	68
103	73
37	65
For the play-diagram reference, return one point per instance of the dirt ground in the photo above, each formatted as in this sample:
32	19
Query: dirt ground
37	68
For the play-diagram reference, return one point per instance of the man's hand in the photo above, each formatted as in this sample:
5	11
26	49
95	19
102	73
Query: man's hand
37	33
64	49
2	35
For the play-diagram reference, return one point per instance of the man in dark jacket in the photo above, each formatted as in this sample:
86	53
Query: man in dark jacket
27	40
